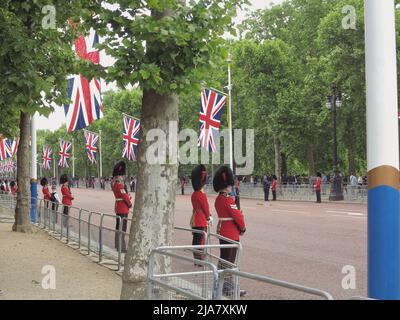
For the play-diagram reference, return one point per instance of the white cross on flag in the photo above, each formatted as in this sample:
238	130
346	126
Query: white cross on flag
65	146
131	137
211	109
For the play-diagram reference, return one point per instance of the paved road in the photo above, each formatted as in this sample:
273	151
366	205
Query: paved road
301	242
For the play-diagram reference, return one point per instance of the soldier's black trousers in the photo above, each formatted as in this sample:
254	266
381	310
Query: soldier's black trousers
198	239
318	196
228	254
273	195
65	216
123	229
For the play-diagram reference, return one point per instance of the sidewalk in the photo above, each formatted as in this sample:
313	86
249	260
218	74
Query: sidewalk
22	257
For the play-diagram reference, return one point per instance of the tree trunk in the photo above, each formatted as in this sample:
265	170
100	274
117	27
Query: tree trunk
352	160
153	214
284	159
310	160
278	160
22	220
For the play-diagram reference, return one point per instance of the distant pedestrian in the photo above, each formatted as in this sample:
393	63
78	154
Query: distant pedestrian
7	187
237	192
133	184
66	197
317	187
55	201
273	188
353	184
14	188
183	183
46	192
266	187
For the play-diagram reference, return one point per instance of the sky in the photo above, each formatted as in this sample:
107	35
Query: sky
57	118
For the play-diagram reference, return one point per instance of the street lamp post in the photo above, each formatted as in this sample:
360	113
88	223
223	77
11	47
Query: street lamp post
334	102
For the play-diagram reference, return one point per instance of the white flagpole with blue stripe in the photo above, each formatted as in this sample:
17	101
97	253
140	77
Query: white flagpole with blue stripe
382	151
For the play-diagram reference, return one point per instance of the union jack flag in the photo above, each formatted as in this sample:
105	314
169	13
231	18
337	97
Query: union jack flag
86	103
211	109
91	145
131	137
14	147
5	149
65	146
46	157
1	167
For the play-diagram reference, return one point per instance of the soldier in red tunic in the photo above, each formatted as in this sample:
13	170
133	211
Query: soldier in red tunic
273	187
231	222
45	190
66	197
201	210
122	203
317	187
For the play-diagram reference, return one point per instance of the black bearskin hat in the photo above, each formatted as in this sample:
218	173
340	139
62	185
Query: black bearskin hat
199	177
12	184
43	182
119	169
223	178
319	174
63	178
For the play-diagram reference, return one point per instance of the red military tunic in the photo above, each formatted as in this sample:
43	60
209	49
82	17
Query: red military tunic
14	190
122	199
201	209
231	219
318	184
273	185
46	193
67	196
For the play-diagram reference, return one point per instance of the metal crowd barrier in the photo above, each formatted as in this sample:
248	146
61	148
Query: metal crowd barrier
7	201
279	283
185	283
303	192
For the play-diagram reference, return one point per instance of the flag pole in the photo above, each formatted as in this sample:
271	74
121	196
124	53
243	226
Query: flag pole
382	151
100	160
125	114
229	60
219	91
73	162
54	168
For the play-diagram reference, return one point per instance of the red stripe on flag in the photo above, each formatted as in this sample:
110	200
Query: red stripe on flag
75	113
86	96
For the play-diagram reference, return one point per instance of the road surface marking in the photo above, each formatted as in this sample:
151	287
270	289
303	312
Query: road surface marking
289	211
347	216
348	213
290	205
